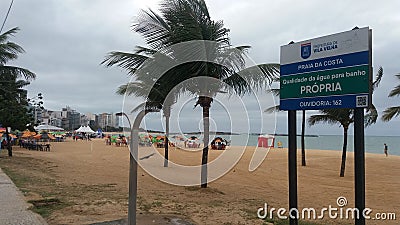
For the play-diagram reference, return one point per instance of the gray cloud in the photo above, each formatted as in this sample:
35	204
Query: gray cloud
65	41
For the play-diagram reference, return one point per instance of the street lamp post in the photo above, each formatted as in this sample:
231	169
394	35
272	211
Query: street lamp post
133	165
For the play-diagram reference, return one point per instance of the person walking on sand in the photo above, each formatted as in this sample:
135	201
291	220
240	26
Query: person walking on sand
385	149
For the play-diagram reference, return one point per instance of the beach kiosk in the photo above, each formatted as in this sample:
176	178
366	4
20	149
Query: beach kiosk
266	141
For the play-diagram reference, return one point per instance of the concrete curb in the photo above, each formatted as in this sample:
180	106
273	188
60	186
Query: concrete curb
13	208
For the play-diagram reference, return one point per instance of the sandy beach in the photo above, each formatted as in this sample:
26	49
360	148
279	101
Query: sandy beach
98	176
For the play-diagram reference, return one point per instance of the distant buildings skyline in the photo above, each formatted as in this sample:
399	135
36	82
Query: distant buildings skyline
70	119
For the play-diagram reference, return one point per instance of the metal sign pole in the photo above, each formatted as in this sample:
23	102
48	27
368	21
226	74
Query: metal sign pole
359	148
292	160
359	164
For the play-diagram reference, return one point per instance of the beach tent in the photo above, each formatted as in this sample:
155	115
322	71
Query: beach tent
88	130
80	129
85	129
47	128
266	141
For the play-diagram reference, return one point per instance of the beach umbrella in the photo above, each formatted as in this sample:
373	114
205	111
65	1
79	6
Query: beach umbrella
44	135
28	134
51	137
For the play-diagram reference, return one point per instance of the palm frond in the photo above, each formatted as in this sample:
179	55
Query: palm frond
272	109
253	78
314	119
147	107
6	35
243	48
274	91
9	50
154	29
371	117
378	78
271	70
390	113
127	61
396	90
333	116
147	51
17	71
137	89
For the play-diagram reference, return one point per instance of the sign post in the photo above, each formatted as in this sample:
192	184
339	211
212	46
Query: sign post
328	72
359	164
292	159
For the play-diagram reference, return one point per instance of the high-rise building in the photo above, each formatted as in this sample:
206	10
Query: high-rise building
69	119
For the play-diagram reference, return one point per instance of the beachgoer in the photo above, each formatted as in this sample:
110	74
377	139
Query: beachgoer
4	143
385	149
279	144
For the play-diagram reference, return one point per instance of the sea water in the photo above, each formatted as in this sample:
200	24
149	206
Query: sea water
373	144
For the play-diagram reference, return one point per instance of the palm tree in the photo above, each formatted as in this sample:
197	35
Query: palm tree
394	111
185	21
345	117
12	96
155	90
156	98
190	20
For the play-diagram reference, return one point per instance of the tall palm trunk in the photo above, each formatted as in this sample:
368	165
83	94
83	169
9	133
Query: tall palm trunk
343	165
303	147
205	103
167	116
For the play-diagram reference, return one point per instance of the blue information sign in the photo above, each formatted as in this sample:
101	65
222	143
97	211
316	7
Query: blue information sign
327	72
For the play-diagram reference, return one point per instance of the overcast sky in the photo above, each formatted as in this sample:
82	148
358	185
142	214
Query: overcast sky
65	41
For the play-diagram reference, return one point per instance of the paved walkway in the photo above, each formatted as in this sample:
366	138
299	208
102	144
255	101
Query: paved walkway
13	208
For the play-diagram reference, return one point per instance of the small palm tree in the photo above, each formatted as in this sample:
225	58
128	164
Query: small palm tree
393	111
345	117
156	98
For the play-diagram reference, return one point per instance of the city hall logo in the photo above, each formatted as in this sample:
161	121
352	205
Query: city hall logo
305	50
